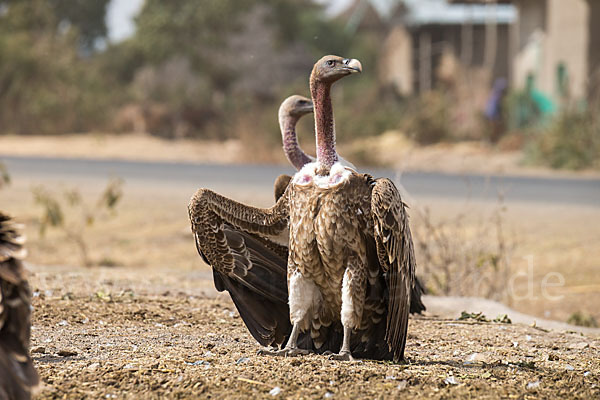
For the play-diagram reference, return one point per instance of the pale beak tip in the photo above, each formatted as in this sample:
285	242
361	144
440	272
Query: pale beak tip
355	65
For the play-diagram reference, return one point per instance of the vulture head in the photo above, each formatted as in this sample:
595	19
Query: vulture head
296	106
331	68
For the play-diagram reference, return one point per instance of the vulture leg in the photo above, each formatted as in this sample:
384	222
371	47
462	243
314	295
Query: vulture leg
291	348
304	297
344	354
353	300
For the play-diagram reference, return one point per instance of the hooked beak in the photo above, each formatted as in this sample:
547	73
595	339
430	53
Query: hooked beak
352	65
307	108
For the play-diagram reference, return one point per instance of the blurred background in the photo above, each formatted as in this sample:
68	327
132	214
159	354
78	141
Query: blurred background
112	112
513	75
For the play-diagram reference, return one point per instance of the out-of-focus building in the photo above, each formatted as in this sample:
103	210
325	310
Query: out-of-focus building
425	42
555	43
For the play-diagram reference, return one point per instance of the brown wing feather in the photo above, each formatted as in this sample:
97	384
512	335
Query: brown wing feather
396	256
17	374
233	239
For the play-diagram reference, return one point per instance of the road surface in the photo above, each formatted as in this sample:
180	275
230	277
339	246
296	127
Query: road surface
574	191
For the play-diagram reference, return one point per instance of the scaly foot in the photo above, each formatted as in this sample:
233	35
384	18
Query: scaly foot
342	356
285	352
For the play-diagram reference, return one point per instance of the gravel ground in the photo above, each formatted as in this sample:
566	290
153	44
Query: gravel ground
116	338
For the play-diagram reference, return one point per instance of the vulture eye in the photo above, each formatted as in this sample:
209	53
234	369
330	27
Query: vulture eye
331	63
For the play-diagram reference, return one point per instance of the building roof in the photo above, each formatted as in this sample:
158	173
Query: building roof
430	12
440	12
480	1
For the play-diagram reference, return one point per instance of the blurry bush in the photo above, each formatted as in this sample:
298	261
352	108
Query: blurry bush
190	68
429	121
4	176
571	140
48	80
200	67
582	319
461	257
69	213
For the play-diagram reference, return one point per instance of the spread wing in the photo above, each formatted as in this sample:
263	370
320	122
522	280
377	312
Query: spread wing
240	243
396	256
17	374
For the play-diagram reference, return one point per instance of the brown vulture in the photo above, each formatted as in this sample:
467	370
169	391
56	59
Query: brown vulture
346	238
17	374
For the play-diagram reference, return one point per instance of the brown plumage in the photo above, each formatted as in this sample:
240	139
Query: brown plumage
17	374
290	111
256	281
350	263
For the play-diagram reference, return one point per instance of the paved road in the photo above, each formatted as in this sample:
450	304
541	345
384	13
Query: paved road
259	177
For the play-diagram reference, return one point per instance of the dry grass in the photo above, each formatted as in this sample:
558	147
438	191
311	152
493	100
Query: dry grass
462	257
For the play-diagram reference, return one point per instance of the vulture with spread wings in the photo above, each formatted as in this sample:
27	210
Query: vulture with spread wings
344	237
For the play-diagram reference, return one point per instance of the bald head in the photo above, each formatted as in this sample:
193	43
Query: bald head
331	68
295	106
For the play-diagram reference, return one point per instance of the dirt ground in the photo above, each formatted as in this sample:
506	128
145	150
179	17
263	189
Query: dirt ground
114	333
151	326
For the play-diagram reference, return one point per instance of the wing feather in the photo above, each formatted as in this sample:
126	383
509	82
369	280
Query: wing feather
236	240
396	256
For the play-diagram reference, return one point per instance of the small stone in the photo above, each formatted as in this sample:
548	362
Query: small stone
94	366
451	380
586	373
552	357
328	395
38	349
242	360
67	353
63	323
275	391
569	367
533	385
579	346
402	384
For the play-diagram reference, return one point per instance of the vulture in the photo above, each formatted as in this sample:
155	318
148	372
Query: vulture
17	374
345	236
290	112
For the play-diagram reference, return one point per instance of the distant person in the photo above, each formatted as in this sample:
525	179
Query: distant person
494	110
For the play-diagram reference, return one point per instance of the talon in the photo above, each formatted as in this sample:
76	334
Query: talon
342	356
285	352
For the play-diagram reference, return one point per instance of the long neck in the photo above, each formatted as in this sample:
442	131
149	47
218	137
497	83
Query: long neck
324	125
291	148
